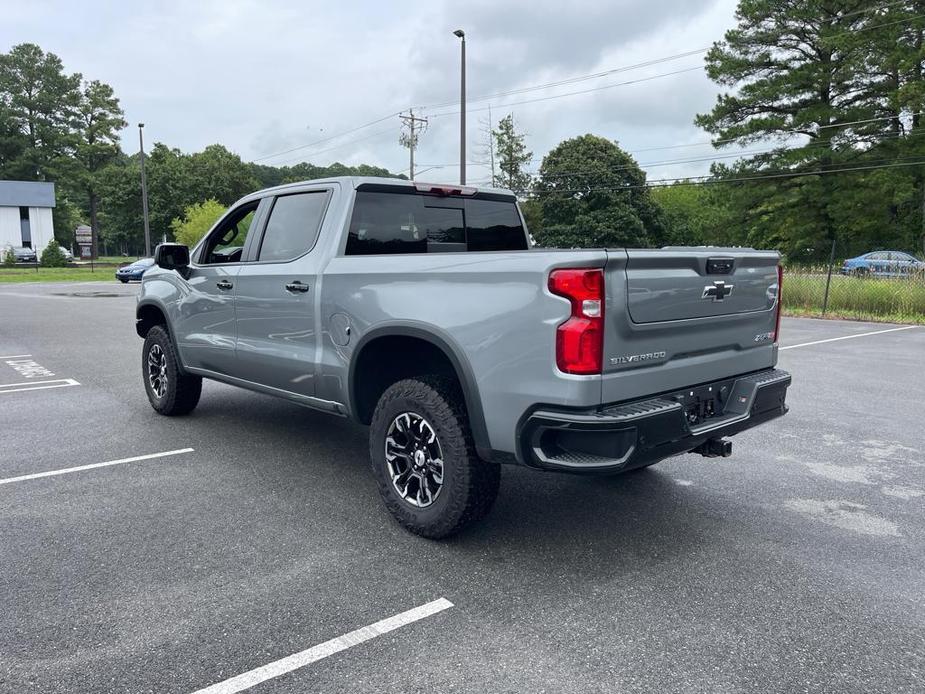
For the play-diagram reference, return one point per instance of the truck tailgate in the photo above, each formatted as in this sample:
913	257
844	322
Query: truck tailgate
681	316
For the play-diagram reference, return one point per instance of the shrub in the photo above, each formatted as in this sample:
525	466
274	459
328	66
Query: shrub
9	258
901	298
197	220
52	256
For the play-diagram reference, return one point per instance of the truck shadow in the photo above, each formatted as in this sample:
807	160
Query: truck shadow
592	525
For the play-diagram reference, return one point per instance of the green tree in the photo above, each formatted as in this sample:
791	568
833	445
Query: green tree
9	258
592	193
38	103
693	214
171	187
52	255
121	223
197	220
811	77
99	119
217	173
66	217
512	157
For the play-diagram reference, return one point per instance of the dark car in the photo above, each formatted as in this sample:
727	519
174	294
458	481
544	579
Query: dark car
135	270
24	255
883	264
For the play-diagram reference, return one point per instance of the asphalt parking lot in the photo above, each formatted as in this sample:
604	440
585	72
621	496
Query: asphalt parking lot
795	565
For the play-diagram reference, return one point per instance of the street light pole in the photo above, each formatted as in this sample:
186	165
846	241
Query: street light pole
144	189
462	107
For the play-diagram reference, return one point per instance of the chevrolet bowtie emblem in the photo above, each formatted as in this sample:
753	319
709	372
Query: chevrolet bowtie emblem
717	291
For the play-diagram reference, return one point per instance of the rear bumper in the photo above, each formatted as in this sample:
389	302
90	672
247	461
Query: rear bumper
621	437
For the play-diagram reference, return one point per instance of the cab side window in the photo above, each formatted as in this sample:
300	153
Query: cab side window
226	242
293	226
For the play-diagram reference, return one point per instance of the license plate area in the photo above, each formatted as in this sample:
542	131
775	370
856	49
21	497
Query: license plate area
702	403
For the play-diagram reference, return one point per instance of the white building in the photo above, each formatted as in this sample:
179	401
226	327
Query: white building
25	214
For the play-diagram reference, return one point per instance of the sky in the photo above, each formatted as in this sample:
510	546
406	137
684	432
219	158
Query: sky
264	78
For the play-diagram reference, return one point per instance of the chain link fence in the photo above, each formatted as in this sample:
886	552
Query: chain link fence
878	289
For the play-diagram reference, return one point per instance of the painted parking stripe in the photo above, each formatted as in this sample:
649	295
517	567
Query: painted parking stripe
80	468
323	650
851	337
16	356
37	385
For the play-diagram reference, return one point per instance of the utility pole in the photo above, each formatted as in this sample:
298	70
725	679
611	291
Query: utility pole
410	139
491	147
459	33
486	149
144	189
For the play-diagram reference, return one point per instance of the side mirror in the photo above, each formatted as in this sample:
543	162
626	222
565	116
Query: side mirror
172	256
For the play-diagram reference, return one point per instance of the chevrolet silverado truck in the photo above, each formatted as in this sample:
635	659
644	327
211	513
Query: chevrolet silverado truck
422	311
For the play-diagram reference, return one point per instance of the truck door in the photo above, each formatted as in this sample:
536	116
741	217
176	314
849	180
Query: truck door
275	296
204	322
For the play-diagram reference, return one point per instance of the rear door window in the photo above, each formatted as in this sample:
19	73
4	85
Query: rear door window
292	228
399	222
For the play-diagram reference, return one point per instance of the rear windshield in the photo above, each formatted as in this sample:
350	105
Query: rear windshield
416	223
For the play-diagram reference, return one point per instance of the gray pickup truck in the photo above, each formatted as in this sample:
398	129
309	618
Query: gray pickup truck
422	311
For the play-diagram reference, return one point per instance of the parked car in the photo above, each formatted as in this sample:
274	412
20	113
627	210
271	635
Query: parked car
24	255
134	271
883	264
68	256
421	311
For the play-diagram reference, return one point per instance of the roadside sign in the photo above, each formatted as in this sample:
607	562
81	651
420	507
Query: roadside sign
84	234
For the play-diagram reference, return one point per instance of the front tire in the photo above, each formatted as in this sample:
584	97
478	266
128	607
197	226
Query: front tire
170	392
424	460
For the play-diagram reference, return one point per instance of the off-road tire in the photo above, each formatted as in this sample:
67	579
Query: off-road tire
470	484
182	390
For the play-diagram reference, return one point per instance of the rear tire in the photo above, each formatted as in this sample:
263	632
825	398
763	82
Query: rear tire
424	460
170	392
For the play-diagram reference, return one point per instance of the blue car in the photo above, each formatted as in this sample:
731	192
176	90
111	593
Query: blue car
883	264
135	270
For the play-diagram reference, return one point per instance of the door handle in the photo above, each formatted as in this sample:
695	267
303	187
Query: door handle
297	287
224	284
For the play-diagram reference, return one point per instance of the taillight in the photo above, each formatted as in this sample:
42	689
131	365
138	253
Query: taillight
780	298
580	339
444	190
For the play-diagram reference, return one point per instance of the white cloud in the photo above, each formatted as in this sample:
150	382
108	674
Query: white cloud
265	77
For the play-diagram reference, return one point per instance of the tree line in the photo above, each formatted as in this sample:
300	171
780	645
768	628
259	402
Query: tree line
60	127
831	92
822	107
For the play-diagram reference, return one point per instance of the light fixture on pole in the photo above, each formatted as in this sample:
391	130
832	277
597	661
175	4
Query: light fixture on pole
144	190
462	106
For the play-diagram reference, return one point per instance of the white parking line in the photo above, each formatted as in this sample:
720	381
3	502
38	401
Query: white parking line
16	356
37	385
323	650
65	471
851	337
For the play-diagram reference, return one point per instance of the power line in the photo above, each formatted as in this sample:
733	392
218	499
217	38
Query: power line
583	91
778	150
709	180
301	158
579	92
578	78
572	80
327	139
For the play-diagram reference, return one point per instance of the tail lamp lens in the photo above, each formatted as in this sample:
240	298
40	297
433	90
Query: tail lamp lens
580	339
